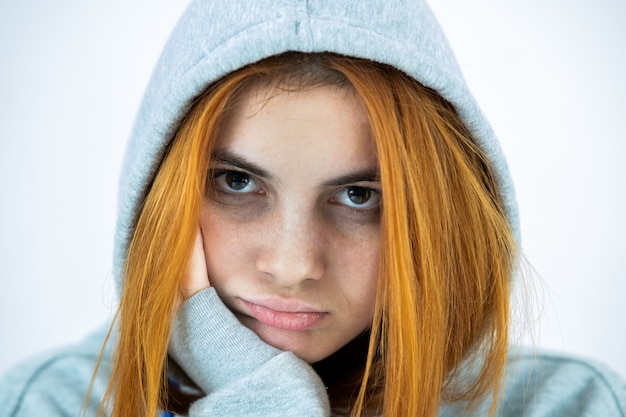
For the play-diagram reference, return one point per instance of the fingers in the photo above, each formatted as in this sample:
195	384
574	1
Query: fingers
196	278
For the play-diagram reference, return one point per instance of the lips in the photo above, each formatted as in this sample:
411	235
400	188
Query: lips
293	316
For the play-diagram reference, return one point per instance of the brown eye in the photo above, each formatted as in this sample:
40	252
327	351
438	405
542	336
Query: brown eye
358	197
236	182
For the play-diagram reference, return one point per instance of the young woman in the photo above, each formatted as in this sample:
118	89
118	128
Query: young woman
315	219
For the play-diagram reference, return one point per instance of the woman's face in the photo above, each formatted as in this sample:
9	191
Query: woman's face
292	226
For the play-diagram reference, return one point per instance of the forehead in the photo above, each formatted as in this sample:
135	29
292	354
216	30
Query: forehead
308	101
314	122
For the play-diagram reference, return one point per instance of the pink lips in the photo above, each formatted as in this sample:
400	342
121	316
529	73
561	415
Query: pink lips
285	315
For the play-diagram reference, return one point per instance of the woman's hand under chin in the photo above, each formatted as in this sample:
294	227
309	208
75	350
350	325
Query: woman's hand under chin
196	278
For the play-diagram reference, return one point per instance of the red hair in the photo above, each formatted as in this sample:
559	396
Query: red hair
447	249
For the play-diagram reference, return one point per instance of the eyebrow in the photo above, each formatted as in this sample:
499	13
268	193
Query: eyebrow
229	158
364	175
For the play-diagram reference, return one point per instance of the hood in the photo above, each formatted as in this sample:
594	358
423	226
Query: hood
216	37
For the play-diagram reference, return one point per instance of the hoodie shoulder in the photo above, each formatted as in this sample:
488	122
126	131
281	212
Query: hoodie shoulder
56	383
552	384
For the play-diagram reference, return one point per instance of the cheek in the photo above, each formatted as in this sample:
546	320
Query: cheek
357	272
224	247
371	276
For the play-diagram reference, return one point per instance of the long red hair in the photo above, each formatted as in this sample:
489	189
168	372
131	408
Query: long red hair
442	304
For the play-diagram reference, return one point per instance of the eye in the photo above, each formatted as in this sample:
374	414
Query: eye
358	197
235	182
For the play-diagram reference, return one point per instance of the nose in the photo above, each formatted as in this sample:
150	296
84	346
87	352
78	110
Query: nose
292	251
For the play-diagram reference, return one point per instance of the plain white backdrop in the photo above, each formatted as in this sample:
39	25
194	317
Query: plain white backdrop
548	74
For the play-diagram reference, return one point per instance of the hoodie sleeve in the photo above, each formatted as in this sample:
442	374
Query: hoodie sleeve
240	374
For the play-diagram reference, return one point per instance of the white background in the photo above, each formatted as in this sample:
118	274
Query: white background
548	74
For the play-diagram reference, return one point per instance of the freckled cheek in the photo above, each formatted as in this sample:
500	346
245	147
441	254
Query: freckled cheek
226	246
357	268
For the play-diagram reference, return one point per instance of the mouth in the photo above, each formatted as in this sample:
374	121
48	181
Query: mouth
285	316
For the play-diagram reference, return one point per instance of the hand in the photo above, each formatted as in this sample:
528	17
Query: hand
196	278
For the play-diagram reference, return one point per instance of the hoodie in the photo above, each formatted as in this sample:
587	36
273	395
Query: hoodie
236	373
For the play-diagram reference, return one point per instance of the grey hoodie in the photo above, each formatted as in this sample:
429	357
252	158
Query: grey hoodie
238	374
